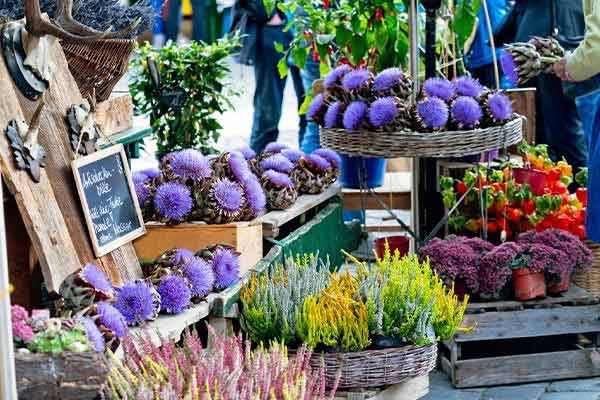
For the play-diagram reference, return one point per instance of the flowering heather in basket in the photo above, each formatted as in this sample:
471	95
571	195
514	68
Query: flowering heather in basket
231	370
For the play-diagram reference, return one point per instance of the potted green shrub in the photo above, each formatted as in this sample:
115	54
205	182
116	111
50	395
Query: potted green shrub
185	93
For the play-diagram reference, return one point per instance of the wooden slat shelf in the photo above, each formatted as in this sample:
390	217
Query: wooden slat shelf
395	192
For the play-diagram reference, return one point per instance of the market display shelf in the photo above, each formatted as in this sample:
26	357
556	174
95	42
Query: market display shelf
395	193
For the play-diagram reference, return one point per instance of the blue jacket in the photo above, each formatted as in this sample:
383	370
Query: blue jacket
481	52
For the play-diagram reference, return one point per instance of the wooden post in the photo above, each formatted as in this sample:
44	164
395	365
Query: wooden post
8	386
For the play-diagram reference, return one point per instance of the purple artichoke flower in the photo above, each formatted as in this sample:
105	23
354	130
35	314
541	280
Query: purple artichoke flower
318	161
173	201
175	294
136	301
467	86
333	115
355	115
275	147
382	111
255	195
276	162
228	195
439	87
466	111
151	173
139	177
433	112
247	152
330	156
509	67
316	106
112	318
142	192
93	334
356	79
278	179
292	154
500	106
182	256
93	276
336	76
226	265
201	276
387	79
239	166
190	164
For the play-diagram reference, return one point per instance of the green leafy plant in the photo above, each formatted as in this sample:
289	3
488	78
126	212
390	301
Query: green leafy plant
201	72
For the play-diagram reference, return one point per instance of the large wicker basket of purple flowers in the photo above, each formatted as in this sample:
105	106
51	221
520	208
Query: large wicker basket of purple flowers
374	116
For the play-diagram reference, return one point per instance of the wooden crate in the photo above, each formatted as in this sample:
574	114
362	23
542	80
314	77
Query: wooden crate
517	342
246	237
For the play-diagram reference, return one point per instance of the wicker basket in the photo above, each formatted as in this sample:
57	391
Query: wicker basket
100	64
417	144
376	368
590	281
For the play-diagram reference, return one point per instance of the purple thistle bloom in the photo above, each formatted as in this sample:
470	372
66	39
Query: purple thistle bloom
226	265
182	256
275	147
201	276
139	177
142	191
467	86
509	67
387	79
111	318
276	162
292	154
93	276
191	164
330	156
316	106
500	106
318	161
239	166
229	195
135	300
278	178
173	200
336	76
356	79
434	112
151	173
382	111
355	115
93	334
439	87
175	294
466	111
333	116
247	152
257	200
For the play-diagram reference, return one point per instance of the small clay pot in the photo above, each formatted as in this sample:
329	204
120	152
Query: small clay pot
534	178
528	285
560	287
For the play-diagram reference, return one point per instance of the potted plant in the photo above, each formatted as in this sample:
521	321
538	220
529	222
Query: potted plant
495	273
181	89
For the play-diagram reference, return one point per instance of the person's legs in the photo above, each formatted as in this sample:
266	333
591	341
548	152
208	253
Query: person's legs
300	96
268	96
310	73
200	17
226	21
173	20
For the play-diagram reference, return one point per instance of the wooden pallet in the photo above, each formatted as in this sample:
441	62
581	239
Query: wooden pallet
517	342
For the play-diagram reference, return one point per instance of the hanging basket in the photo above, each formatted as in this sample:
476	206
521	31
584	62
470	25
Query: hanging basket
590	280
423	144
376	368
98	65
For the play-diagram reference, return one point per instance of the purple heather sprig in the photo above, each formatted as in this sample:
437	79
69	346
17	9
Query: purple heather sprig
278	178
382	112
356	79
433	112
579	256
136	301
277	162
226	265
200	275
330	156
439	87
112	319
333	115
466	111
467	86
173	201
355	115
494	269
500	106
93	276
387	79
335	77
228	195
175	294
93	334
190	164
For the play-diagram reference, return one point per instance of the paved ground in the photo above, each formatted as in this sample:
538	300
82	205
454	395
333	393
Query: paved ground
440	388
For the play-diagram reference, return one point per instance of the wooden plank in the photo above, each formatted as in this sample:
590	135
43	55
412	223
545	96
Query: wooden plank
524	104
395	193
531	323
115	114
524	368
39	208
273	220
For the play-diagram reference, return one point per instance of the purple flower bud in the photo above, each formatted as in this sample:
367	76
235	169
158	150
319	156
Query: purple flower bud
466	111
112	318
247	152
181	256
151	173
93	334
277	162
500	106
330	156
190	163
136	301
355	115
387	79
316	106
356	79
509	67
93	276
439	87
228	195
467	86
317	161
335	76
257	200
173	200
333	116
383	111
175	294
292	154
142	192
239	166
278	178
434	112
201	276
226	265
275	147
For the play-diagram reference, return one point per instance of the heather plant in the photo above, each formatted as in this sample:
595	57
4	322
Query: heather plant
230	370
271	302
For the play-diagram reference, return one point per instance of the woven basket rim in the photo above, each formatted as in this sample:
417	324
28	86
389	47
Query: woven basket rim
371	352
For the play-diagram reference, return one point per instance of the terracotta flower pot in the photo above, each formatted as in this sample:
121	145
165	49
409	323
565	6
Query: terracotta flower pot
534	178
528	285
400	243
560	287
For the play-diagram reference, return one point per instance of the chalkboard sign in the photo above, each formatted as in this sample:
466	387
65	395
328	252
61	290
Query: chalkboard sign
107	194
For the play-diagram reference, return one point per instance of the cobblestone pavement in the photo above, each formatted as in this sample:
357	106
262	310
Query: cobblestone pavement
440	388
